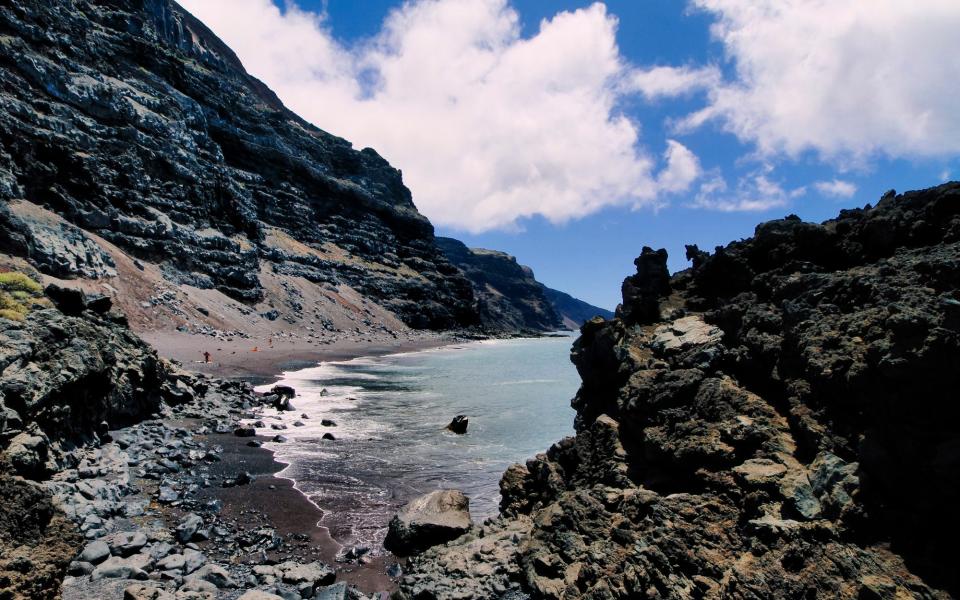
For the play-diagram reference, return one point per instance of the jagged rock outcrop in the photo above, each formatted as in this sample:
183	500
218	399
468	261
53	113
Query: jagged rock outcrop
65	380
778	421
508	296
573	311
132	121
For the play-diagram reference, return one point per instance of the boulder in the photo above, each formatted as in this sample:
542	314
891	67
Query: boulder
244	432
429	520
95	552
459	424
259	595
284	391
139	591
127	543
70	301
116	567
28	454
188	527
214	574
305	577
337	591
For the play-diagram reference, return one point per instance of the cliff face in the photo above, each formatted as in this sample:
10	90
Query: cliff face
508	296
573	311
134	123
779	421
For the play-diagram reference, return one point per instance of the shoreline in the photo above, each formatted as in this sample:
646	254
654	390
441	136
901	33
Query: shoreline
274	498
260	359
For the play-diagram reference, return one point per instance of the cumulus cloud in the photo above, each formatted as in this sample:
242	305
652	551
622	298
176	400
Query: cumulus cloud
756	192
851	79
836	188
666	82
488	126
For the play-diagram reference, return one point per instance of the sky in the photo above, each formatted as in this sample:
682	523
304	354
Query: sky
571	134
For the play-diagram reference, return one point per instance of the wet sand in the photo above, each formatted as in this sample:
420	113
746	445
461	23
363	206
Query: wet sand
278	504
256	358
270	500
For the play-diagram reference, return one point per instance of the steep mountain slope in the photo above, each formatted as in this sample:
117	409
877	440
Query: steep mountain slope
573	311
129	131
509	298
778	421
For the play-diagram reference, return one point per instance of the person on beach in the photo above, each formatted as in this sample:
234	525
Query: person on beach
206	356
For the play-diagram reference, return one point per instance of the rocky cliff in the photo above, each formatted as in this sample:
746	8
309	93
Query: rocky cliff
778	421
508	296
130	134
573	311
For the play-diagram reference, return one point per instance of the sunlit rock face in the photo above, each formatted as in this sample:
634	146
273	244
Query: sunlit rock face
131	120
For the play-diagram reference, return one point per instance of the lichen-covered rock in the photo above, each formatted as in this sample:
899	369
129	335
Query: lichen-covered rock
792	435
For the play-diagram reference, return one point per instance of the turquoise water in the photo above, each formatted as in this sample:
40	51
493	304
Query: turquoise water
391	413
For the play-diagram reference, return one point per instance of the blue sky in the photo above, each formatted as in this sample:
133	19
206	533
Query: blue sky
833	125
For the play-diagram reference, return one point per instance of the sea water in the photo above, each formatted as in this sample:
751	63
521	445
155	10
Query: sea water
391	412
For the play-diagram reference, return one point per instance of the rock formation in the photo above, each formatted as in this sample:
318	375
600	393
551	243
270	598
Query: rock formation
508	296
573	311
778	421
127	127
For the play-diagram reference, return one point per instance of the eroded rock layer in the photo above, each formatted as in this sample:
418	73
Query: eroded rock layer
778	421
130	119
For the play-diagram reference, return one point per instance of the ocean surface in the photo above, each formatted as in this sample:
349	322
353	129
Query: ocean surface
391	412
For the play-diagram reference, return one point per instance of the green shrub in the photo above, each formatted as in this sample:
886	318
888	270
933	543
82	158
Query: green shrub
18	295
14	281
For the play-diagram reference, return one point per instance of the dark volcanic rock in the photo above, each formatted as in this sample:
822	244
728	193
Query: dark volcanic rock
37	542
792	435
459	424
509	298
61	376
642	292
131	120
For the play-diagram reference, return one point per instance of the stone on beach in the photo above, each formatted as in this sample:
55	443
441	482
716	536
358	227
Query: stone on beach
139	591
429	520
284	391
95	552
188	527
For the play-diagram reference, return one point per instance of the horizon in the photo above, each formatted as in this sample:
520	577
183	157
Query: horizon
619	124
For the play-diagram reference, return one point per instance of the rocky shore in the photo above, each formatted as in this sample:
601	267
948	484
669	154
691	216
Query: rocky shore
125	476
778	421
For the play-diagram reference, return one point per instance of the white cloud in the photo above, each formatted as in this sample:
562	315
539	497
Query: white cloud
754	193
836	188
850	79
683	168
488	126
665	82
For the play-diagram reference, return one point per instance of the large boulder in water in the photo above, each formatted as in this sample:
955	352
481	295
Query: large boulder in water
459	424
429	520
